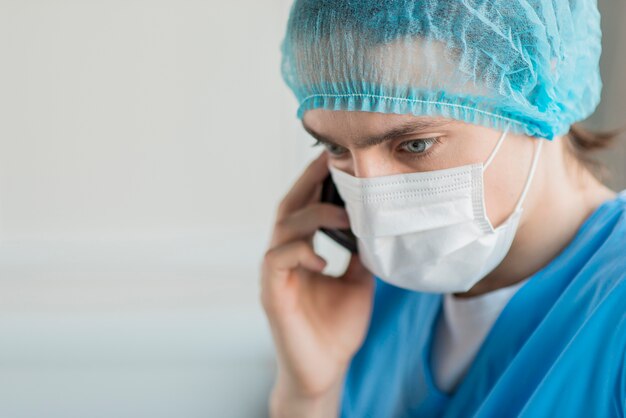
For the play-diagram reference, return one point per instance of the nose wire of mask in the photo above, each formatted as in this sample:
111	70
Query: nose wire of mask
428	231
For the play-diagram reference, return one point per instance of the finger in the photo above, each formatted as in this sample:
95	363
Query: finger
305	186
279	261
316	196
303	223
278	296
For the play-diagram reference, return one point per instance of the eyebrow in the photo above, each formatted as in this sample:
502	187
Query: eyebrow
406	128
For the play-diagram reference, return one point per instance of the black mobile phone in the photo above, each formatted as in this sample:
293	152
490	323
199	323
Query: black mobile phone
344	237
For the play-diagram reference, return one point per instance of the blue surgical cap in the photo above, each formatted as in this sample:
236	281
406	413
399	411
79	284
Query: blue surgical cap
533	64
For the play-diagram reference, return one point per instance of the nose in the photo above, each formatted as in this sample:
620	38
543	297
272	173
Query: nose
370	164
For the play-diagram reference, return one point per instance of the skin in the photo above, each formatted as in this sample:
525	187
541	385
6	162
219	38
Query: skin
319	322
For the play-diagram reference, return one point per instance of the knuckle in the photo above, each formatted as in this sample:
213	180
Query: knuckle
281	233
281	224
304	248
281	210
283	206
268	256
298	249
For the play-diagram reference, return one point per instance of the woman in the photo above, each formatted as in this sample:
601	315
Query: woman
490	278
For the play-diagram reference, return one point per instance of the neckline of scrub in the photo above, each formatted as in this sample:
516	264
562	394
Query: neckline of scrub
465	318
482	302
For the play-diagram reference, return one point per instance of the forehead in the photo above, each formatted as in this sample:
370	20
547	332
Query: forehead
330	121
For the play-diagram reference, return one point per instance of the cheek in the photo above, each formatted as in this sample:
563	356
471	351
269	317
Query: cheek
504	180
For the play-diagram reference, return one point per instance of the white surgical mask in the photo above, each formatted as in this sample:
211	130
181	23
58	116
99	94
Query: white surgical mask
429	231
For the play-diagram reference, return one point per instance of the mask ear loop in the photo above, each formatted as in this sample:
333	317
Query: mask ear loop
497	147
531	174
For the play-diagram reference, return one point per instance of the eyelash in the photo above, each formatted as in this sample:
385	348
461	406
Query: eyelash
430	142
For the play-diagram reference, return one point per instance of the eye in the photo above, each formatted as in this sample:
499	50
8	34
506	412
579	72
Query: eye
332	149
418	146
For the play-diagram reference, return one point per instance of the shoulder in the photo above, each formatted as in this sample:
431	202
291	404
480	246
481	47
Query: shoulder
599	246
609	218
606	235
599	256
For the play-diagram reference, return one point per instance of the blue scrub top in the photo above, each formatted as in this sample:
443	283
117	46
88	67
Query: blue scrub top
557	349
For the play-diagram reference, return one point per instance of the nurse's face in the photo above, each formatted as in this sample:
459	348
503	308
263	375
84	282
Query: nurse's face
369	144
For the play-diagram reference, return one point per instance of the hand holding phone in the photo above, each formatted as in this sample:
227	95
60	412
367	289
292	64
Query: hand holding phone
318	321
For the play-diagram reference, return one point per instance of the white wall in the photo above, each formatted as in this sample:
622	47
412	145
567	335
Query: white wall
144	146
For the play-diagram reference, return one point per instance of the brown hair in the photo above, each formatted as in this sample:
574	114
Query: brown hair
582	143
